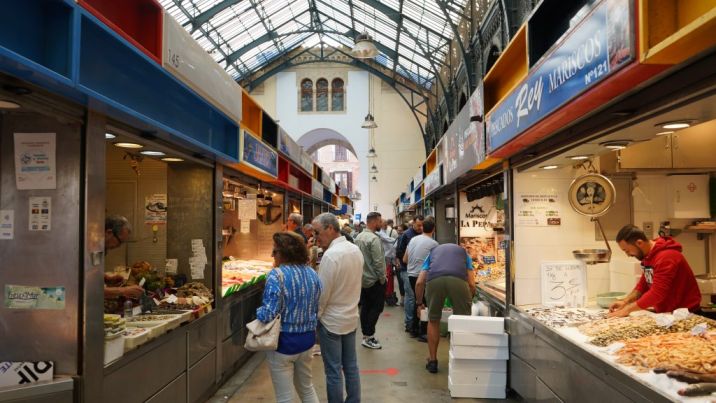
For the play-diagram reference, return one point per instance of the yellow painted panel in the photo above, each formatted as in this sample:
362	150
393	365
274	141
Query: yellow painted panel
509	69
487	163
694	38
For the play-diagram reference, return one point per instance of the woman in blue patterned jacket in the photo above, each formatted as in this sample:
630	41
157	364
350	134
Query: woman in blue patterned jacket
296	300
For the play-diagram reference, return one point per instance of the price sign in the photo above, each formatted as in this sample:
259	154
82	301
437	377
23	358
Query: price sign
564	283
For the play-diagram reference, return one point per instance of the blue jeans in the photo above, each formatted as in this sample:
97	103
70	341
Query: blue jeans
409	300
339	353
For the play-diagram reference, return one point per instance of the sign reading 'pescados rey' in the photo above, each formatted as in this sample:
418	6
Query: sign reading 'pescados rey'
601	44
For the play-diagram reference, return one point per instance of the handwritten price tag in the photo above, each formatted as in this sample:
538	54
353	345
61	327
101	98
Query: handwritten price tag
564	283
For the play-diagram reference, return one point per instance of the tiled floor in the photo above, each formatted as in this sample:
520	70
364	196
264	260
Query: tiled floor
402	358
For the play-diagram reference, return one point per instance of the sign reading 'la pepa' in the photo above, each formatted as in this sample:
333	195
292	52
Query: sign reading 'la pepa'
601	44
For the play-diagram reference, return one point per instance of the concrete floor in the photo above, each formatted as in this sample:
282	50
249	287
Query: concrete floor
402	358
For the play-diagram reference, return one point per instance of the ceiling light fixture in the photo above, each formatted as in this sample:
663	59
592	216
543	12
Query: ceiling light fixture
128	145
152	153
364	47
374	169
665	133
616	144
371	153
580	157
680	124
6	104
109	136
374	179
547	167
369	122
172	159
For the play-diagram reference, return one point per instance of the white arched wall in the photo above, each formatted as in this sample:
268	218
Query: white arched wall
318	138
398	140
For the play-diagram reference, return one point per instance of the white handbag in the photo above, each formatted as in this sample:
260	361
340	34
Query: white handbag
264	336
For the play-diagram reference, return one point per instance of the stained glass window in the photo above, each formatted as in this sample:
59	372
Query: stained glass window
306	95
322	95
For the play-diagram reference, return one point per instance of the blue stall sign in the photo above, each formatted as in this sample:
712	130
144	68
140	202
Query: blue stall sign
600	45
258	155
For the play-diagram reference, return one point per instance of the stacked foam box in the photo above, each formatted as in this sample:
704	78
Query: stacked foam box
478	357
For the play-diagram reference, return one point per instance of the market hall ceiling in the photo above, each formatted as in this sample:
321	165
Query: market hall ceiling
245	36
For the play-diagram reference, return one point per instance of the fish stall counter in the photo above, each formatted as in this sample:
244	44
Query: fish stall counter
576	354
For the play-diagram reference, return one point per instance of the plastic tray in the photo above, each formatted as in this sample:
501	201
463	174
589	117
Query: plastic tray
132	342
155	329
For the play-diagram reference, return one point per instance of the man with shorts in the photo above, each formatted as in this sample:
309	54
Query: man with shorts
447	272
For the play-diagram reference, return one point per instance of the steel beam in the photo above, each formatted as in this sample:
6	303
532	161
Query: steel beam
207	15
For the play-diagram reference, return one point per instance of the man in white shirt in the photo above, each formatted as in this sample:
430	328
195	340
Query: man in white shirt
341	273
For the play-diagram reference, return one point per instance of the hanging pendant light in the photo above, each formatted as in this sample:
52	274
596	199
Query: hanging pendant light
369	122
374	179
374	169
371	153
364	47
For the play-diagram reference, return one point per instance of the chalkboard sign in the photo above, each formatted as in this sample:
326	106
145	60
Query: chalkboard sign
564	283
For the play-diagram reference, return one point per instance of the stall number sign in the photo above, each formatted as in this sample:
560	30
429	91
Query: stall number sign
564	283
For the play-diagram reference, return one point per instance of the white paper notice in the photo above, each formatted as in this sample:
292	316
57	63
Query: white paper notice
40	214
35	161
7	224
247	209
538	210
172	265
564	283
245	226
198	262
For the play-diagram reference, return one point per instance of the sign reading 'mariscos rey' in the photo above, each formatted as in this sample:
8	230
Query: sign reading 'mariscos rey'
601	44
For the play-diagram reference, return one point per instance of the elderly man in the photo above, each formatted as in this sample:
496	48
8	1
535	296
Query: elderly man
295	224
372	297
446	272
340	274
116	232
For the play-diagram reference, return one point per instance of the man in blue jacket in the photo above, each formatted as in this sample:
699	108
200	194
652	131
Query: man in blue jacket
415	230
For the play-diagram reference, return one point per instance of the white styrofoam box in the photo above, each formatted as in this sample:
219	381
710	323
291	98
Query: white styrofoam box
459	364
476	391
189	62
476	324
477	339
480	353
478	377
113	349
688	196
15	373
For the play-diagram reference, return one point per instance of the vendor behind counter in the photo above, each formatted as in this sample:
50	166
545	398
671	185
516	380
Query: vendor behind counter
667	281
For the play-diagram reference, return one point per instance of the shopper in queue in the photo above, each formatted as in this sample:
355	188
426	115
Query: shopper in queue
667	281
418	250
341	272
409	301
372	297
293	294
295	224
446	273
389	237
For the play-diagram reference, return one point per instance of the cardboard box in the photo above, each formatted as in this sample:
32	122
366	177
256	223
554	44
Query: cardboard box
459	364
476	391
478	377
477	339
480	353
476	324
16	373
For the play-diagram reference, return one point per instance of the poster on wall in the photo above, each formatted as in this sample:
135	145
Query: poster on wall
479	217
30	297
462	145
538	210
40	214
247	210
563	283
258	155
155	209
35	161
7	224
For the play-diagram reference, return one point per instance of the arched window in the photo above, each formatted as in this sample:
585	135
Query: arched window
306	95
322	95
337	94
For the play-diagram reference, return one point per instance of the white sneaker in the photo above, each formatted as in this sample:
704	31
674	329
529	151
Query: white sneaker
371	342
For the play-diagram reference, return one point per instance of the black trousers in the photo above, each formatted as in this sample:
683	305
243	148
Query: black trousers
416	328
372	300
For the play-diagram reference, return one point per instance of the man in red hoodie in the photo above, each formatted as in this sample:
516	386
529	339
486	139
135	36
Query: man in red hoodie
667	282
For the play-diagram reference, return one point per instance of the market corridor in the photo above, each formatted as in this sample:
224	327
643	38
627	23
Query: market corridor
394	374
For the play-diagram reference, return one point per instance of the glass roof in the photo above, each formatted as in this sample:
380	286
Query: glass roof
413	36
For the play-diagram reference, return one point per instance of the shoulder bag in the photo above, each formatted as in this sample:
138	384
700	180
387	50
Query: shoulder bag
264	336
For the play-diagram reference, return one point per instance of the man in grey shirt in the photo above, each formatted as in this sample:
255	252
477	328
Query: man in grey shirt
418	250
372	296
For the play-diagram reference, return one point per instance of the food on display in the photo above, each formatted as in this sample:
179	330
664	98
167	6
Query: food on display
560	316
239	274
674	351
152	318
643	326
488	272
134	337
114	326
194	289
596	327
